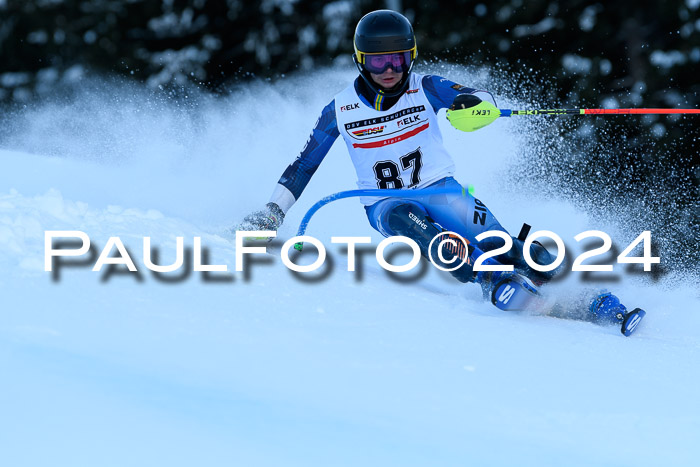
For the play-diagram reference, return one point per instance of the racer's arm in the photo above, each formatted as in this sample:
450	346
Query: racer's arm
467	112
298	174
441	92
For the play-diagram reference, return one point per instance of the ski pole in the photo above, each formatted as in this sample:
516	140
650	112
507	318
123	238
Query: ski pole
469	113
383	193
508	112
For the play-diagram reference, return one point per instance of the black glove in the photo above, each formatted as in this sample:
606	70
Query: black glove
269	218
465	101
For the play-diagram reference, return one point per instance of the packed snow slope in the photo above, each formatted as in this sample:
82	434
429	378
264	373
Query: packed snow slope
267	367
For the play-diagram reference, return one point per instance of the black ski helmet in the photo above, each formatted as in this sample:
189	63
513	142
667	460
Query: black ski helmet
384	32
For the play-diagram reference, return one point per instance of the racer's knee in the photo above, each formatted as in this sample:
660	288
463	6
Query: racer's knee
412	220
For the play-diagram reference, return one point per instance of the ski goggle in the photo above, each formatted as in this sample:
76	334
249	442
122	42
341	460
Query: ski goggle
379	63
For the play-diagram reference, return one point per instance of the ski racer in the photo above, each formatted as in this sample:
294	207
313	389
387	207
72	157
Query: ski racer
388	119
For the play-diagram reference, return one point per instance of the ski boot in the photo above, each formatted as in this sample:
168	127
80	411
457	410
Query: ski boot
508	291
606	308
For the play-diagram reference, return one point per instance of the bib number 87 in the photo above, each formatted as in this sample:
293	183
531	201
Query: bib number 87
389	176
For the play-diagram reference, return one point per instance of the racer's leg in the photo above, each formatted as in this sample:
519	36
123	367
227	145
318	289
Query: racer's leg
467	216
395	216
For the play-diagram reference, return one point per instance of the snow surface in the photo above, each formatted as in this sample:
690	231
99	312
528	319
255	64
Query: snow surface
268	368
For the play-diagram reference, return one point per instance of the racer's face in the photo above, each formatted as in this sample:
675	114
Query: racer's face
388	79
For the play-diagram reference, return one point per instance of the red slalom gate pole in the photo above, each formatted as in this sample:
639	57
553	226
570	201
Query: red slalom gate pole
471	113
639	111
508	112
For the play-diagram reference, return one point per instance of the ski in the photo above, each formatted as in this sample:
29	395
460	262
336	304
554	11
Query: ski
606	308
512	292
632	320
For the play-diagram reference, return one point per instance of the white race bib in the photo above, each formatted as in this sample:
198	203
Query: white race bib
397	148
